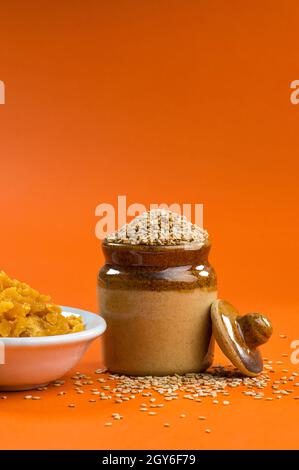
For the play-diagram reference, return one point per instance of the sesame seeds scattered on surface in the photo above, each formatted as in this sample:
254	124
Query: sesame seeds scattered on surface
151	394
190	386
159	227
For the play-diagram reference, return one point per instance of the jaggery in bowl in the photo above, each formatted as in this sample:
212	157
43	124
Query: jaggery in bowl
30	362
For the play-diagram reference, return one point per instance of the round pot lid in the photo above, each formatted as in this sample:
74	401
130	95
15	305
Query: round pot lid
239	336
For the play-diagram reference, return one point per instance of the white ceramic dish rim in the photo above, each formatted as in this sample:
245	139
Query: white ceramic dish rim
90	332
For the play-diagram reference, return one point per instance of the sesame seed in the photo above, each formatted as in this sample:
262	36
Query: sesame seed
100	371
202	418
208	431
226	402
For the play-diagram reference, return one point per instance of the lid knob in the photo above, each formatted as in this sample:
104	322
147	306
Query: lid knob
256	329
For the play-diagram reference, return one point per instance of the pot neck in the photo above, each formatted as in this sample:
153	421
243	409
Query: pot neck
164	256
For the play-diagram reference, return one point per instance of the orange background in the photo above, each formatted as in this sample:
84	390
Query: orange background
163	101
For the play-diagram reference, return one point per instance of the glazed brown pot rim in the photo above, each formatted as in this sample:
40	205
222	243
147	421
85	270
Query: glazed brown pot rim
156	255
148	248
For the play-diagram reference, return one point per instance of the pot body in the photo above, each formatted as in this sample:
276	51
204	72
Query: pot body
156	302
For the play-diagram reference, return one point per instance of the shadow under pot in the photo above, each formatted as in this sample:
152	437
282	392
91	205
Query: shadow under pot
156	302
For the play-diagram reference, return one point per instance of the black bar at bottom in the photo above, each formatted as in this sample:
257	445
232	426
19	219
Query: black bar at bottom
140	458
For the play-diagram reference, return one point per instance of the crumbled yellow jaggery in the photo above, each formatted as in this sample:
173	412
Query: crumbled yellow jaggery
26	312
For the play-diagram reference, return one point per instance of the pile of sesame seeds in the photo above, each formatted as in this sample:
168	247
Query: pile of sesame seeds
159	227
189	386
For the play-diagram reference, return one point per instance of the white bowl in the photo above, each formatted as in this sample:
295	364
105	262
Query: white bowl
27	363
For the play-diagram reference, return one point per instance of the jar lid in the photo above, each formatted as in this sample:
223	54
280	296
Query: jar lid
239	336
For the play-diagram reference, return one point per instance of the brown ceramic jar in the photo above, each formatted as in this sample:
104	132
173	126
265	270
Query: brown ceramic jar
156	302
